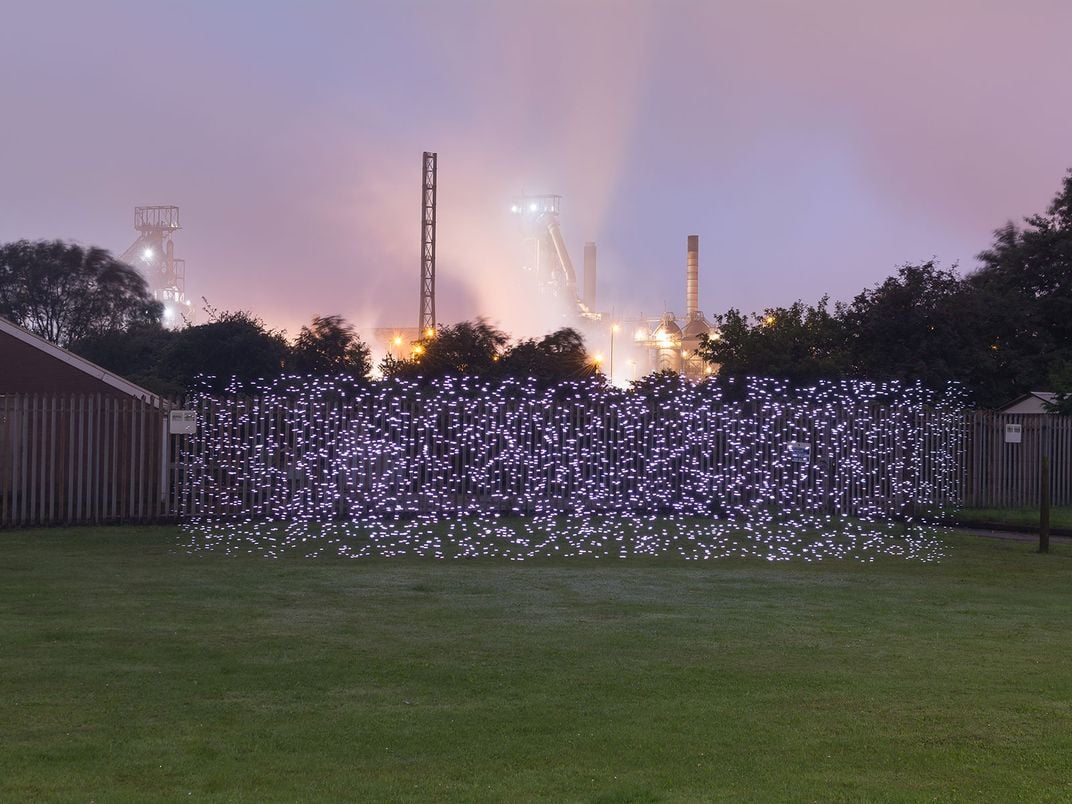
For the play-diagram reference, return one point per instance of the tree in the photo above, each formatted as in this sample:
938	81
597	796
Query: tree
329	345
1061	382
920	324
232	347
558	356
800	343
1025	291
471	347
135	353
64	292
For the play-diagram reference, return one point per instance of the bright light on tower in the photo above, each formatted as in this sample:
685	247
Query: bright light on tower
533	206
147	254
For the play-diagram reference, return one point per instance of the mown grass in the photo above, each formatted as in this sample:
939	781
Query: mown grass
1060	516
133	671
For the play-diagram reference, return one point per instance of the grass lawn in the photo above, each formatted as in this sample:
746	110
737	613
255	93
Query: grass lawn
132	671
1060	516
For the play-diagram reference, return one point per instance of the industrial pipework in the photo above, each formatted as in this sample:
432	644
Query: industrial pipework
692	279
589	297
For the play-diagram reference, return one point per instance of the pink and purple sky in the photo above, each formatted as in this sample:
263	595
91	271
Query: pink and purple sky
813	146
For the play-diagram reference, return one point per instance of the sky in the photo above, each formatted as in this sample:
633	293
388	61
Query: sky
813	146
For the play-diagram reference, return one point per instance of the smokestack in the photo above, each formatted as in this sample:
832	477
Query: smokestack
589	298
692	279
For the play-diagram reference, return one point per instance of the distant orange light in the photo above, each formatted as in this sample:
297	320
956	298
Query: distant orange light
398	340
429	333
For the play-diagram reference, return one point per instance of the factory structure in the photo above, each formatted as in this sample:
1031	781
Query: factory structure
154	253
640	344
670	343
660	343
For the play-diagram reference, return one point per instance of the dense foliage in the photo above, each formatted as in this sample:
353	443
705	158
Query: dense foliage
64	292
1001	331
478	349
329	345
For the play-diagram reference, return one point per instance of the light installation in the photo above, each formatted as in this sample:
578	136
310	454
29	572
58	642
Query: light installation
465	468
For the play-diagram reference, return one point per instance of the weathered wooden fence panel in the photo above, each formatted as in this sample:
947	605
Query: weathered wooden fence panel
81	459
74	459
1006	473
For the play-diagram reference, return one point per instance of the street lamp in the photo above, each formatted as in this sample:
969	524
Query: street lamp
614	328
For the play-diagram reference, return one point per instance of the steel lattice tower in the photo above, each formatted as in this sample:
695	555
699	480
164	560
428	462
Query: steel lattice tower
154	253
428	227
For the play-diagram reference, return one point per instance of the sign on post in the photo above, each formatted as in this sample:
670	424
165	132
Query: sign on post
182	422
799	452
1014	433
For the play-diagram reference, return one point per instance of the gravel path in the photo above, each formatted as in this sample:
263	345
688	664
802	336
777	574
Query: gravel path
1004	534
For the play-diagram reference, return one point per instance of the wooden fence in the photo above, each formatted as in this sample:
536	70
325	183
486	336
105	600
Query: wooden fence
98	459
82	459
322	456
1006	473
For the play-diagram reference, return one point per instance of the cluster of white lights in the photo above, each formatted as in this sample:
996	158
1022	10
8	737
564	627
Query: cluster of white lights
609	536
463	468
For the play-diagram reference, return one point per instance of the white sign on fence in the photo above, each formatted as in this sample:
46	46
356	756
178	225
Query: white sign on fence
1014	433
799	452
182	422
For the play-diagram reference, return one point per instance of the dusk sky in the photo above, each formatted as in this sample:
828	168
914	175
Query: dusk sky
813	146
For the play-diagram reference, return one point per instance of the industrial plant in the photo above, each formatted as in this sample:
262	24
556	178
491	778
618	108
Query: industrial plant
154	253
643	344
669	345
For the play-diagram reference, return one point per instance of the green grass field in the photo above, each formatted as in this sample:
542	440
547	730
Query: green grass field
1060	516
131	671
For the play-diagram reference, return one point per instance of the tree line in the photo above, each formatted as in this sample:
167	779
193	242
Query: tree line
87	301
1001	330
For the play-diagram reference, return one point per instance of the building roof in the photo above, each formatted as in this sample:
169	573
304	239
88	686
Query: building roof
1039	396
668	326
80	363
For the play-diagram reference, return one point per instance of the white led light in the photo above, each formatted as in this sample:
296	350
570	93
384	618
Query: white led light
462	468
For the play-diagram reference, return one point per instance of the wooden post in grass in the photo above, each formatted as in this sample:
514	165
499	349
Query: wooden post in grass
1044	490
1044	509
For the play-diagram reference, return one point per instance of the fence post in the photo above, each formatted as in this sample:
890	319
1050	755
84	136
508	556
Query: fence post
1044	488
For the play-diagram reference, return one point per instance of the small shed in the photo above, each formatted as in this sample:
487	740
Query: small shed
1029	403
77	443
